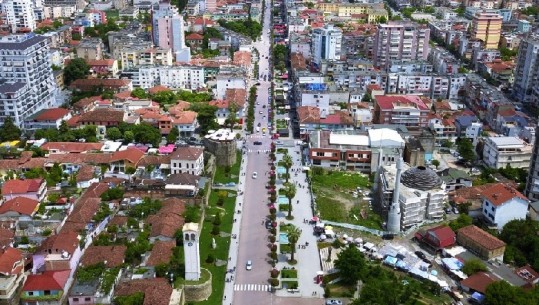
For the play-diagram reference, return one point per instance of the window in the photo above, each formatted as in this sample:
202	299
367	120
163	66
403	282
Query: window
75	299
87	299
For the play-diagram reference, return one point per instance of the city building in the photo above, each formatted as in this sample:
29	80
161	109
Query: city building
135	56
481	243
400	41
35	189
526	71
49	285
174	77
12	275
19	15
189	160
498	152
229	77
168	31
487	27
326	43
502	203
90	49
408	110
438	237
47	118
27	84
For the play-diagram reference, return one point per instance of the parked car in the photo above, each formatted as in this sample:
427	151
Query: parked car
249	265
255	175
420	254
333	302
257	143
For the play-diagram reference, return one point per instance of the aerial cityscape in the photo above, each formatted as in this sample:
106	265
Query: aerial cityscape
269	152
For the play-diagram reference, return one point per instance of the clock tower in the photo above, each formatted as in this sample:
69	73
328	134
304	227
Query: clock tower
191	252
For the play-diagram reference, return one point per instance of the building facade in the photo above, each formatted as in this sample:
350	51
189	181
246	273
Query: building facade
527	70
326	43
499	152
168	31
19	15
487	27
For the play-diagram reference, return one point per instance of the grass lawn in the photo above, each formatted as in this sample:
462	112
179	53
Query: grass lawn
221	175
330	209
286	227
281	124
340	291
289	284
285	248
112	14
289	274
282	150
283	207
340	180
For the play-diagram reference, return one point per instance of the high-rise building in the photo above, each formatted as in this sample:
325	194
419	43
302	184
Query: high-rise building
400	41
211	6
19	15
168	31
532	183
527	71
326	43
487	27
26	81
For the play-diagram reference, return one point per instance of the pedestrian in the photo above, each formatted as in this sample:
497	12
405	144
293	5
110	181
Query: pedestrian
225	297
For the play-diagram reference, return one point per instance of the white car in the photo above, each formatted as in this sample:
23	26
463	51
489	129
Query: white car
249	265
255	175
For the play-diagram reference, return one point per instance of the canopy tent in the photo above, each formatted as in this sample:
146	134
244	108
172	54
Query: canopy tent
390	260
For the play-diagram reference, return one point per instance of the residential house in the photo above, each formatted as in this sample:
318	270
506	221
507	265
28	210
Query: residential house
7	236
111	256
57	252
188	160
161	253
19	208
463	122
167	221
502	203
223	110
498	152
49	285
186	122
124	159
182	185
478	282
534	210
438	237
527	273
90	49
103	67
12	275
443	129
116	85
86	176
102	117
156	290
194	41
455	179
481	243
47	118
35	189
71	147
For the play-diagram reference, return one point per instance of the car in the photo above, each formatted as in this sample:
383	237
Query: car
249	265
260	112
448	210
264	106
258	125
279	143
455	210
420	254
333	302
255	175
257	143
257	84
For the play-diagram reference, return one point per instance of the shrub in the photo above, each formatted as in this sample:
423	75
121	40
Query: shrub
327	292
217	219
337	244
273	248
273	255
273	211
210	259
273	231
272	238
274	282
274	273
272	217
215	230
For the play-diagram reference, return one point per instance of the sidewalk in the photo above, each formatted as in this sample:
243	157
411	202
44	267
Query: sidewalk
308	259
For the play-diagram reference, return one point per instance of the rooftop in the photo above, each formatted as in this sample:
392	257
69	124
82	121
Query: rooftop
500	193
481	237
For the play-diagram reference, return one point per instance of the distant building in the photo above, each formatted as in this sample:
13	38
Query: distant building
481	243
188	160
19	15
502	203
487	27
438	238
525	85
168	31
326	43
499	152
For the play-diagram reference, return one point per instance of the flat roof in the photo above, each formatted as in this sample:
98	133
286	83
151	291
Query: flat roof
348	139
506	141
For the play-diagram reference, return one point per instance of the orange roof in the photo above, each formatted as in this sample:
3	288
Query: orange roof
480	237
112	256
21	205
72	147
64	241
221	104
51	114
237	96
123	95
194	36
17	186
48	280
185	117
100	62
8	258
157	291
308	114
131	154
158	88
161	252
500	193
179	107
479	281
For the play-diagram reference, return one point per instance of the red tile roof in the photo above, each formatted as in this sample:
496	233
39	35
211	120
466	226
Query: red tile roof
161	252
17	186
237	96
112	256
221	104
100	62
169	219
131	154
102	115
479	281
88	84
6	236
48	280
194	36
308	114
72	147
64	241
158	88
389	102
21	205
8	258
185	117
157	291
481	237
51	114
442	235
500	193
187	153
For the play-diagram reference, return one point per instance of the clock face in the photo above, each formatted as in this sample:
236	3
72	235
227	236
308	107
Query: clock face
189	244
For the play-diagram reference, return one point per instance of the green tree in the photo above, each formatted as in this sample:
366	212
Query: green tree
114	133
173	135
139	93
289	190
231	118
165	97
9	131
76	69
502	293
351	265
129	136
148	134
293	238
473	266
206	118
55	175
466	149
447	143
522	242
462	221
221	196
287	163
435	163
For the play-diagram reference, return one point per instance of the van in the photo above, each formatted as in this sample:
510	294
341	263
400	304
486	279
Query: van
257	129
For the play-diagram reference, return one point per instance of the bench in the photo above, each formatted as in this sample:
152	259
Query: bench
293	290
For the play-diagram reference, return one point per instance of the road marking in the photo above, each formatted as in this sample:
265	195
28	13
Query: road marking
251	287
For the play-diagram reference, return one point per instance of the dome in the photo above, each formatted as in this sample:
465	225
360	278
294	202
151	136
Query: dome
420	178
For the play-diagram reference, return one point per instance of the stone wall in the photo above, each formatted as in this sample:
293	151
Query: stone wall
224	151
198	292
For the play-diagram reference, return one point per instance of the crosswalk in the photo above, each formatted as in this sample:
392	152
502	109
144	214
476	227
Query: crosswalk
252	287
259	150
257	136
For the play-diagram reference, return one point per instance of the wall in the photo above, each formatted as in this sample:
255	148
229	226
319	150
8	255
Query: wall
516	208
198	292
224	152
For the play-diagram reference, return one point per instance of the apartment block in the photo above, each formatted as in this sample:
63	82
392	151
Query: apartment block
135	56
326	43
168	31
19	15
27	82
408	110
499	152
400	41
487	27
526	71
175	77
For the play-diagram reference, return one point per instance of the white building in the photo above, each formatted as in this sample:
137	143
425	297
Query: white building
60	11
230	77
474	131
502	151
502	203
140	56
326	43
189	160
174	77
19	15
27	82
168	31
